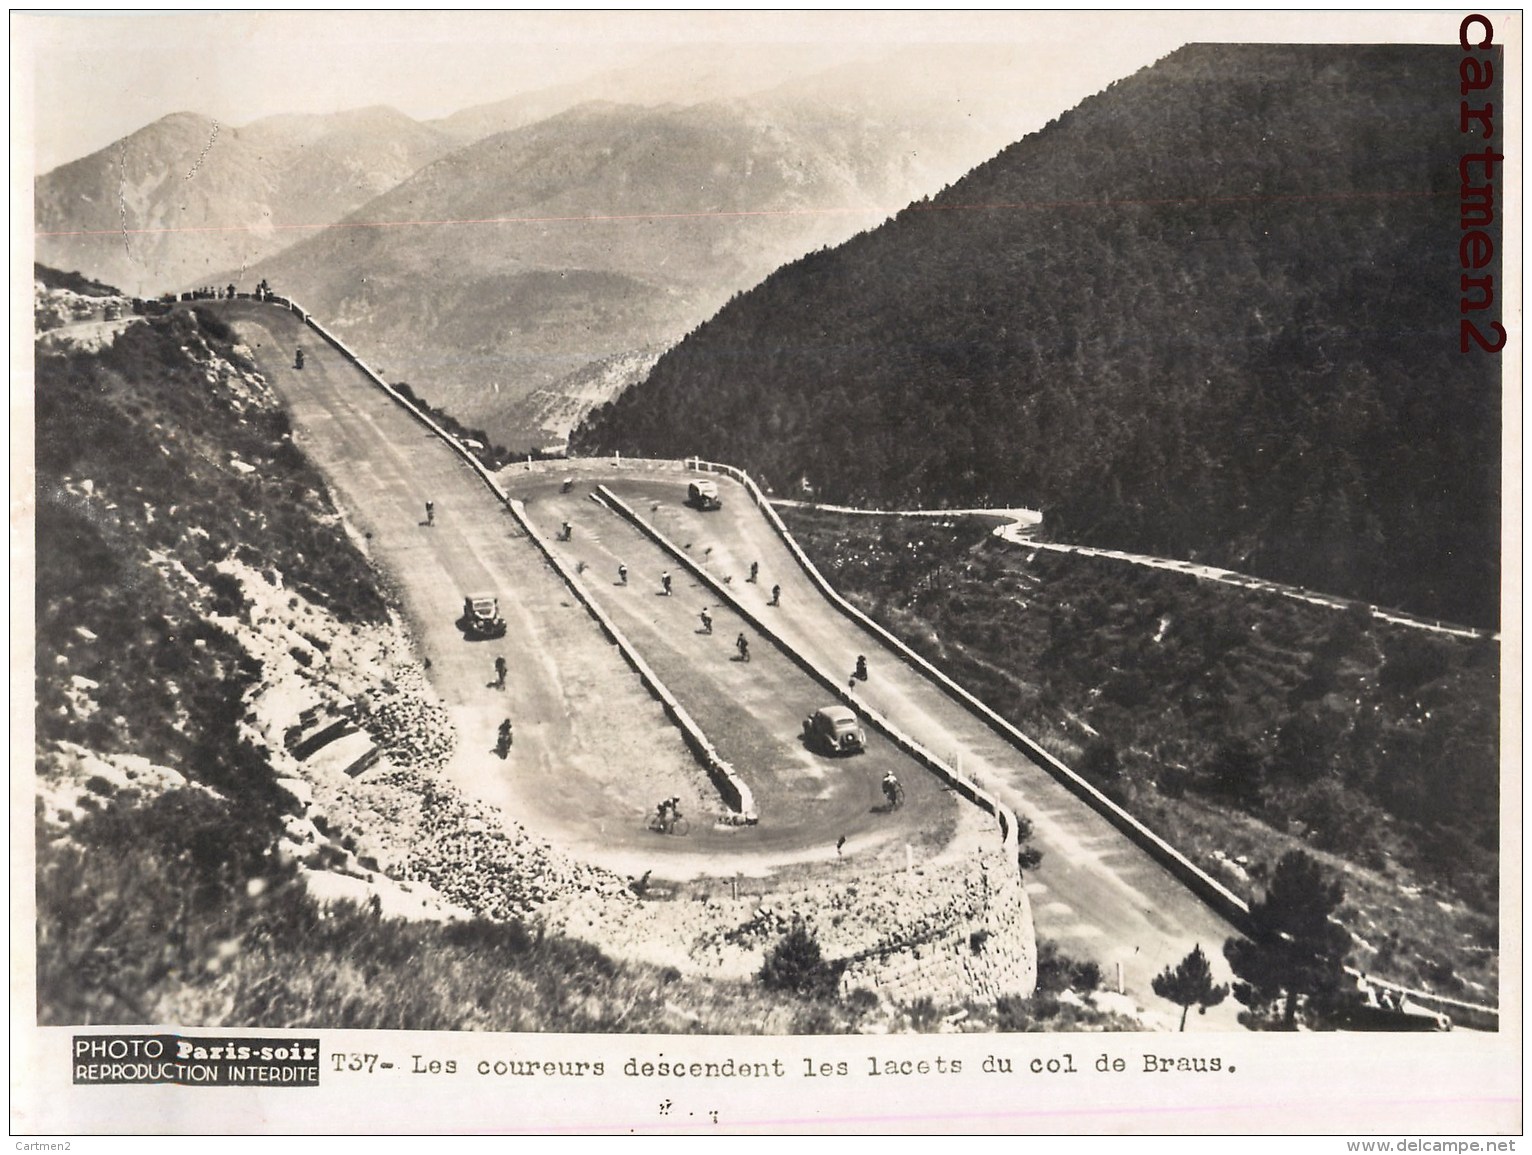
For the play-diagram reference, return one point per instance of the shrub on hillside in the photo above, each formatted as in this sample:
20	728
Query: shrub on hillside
797	964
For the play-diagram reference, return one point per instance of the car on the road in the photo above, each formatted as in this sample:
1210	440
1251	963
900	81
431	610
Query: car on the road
836	729
481	618
703	494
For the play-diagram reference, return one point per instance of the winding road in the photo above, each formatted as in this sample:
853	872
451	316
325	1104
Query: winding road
593	751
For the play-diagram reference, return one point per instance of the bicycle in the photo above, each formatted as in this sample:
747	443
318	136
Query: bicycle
677	825
894	792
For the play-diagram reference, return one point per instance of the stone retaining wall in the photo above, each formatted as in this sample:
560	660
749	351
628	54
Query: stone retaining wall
950	931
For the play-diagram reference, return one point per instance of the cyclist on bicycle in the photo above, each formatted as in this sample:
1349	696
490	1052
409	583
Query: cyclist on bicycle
622	575
742	644
707	621
667	814
891	789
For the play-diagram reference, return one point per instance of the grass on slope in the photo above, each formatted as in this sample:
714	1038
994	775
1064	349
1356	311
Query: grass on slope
159	457
1235	724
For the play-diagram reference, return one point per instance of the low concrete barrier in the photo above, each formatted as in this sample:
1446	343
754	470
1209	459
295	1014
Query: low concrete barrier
735	792
1217	896
975	794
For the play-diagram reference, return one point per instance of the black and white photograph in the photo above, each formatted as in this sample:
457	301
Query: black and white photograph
766	572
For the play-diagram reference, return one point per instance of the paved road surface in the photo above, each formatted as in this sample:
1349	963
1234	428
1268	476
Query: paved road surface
752	711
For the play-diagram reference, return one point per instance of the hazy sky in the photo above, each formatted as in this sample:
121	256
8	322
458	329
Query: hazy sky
82	81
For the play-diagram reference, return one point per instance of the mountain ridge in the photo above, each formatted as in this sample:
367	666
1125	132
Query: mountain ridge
186	197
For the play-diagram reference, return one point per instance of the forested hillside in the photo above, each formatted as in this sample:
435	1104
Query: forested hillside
1212	313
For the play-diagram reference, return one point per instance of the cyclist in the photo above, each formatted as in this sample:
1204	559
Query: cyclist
776	595
892	790
665	581
755	571
861	668
505	737
622	575
667	814
742	644
499	673
298	359
430	513
707	621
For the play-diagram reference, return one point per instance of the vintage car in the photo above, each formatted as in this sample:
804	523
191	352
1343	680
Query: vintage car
703	494
836	730
481	618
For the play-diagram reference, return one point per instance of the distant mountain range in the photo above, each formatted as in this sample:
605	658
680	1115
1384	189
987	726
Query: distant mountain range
510	263
491	253
1211	313
186	198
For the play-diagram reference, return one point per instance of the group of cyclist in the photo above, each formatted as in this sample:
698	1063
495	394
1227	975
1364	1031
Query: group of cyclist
667	817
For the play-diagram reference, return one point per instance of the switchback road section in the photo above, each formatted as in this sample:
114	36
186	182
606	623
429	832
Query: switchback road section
1097	894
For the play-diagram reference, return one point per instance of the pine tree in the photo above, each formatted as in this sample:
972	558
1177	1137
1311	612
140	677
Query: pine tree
1190	983
1294	950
